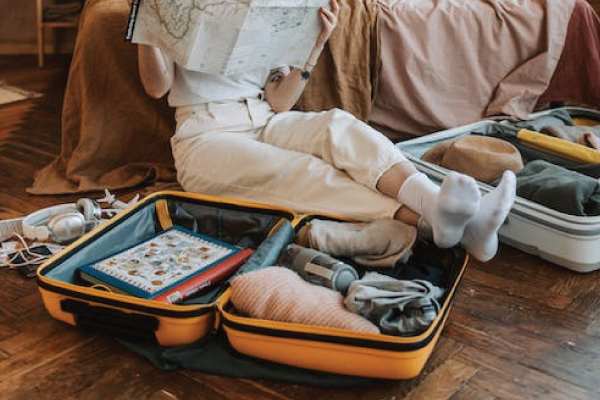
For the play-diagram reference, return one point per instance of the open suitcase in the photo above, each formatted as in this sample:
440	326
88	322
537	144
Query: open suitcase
265	229
571	241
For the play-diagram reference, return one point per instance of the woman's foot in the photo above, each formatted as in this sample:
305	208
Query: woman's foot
481	233
445	211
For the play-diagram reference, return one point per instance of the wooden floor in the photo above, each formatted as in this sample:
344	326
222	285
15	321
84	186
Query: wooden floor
521	328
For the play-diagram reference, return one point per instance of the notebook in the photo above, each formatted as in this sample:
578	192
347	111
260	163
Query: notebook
171	266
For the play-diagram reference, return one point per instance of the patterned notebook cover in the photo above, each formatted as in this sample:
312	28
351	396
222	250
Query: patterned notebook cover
160	263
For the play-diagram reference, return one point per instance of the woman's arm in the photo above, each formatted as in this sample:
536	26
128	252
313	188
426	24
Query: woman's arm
283	90
156	70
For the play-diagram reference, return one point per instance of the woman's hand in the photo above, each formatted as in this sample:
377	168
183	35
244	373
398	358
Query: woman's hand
329	19
283	89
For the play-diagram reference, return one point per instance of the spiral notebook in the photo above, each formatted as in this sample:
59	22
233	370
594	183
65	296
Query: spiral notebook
169	267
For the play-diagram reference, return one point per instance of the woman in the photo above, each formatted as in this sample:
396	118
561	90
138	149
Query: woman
236	137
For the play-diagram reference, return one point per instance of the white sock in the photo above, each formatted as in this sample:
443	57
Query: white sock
446	209
481	233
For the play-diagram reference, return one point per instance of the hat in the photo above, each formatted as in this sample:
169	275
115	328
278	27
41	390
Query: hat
482	157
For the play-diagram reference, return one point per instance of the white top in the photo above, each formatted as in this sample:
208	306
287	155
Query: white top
193	87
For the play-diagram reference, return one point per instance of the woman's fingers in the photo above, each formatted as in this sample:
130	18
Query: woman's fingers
329	18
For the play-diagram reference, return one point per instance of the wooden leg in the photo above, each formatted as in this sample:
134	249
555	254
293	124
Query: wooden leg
40	35
40	32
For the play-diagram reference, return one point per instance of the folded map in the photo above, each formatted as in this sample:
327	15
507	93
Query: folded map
225	37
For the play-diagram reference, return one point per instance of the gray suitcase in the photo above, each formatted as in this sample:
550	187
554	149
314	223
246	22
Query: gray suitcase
570	241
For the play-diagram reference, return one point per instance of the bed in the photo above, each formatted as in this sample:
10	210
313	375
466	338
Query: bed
408	67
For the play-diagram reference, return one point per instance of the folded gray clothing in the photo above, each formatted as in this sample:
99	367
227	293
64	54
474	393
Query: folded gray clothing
398	307
380	243
584	135
557	117
558	188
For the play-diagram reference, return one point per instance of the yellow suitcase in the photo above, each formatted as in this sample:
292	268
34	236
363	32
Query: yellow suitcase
267	230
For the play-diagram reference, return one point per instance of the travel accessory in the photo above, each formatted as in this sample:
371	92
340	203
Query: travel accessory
483	158
558	146
64	223
265	229
570	241
206	332
168	267
58	223
28	260
24	256
319	268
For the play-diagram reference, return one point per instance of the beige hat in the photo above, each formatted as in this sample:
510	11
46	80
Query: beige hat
484	158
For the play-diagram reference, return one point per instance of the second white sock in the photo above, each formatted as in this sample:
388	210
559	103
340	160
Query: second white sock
446	209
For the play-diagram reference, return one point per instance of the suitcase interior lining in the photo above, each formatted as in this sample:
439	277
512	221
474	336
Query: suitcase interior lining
235	225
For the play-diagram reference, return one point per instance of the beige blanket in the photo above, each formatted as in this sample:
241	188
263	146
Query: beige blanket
113	135
447	63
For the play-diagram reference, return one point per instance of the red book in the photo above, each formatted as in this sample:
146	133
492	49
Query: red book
205	279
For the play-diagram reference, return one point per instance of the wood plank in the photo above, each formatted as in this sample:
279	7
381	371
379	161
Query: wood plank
513	286
99	369
469	393
513	326
444	382
508	378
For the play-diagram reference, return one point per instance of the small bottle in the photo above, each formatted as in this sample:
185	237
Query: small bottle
319	268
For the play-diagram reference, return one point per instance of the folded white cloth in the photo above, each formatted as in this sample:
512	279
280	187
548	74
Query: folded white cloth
398	307
380	243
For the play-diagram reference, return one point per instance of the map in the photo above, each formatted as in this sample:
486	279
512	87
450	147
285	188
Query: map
225	37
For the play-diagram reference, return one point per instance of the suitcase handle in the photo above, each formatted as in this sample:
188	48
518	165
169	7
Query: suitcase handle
110	321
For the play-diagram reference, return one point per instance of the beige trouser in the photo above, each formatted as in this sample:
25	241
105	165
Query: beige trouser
312	162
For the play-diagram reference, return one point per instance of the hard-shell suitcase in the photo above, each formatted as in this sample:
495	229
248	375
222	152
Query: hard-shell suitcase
571	241
265	229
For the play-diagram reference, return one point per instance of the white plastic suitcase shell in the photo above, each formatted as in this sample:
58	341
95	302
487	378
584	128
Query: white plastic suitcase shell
570	241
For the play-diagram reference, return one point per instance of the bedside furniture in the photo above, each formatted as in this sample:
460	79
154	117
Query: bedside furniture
55	16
